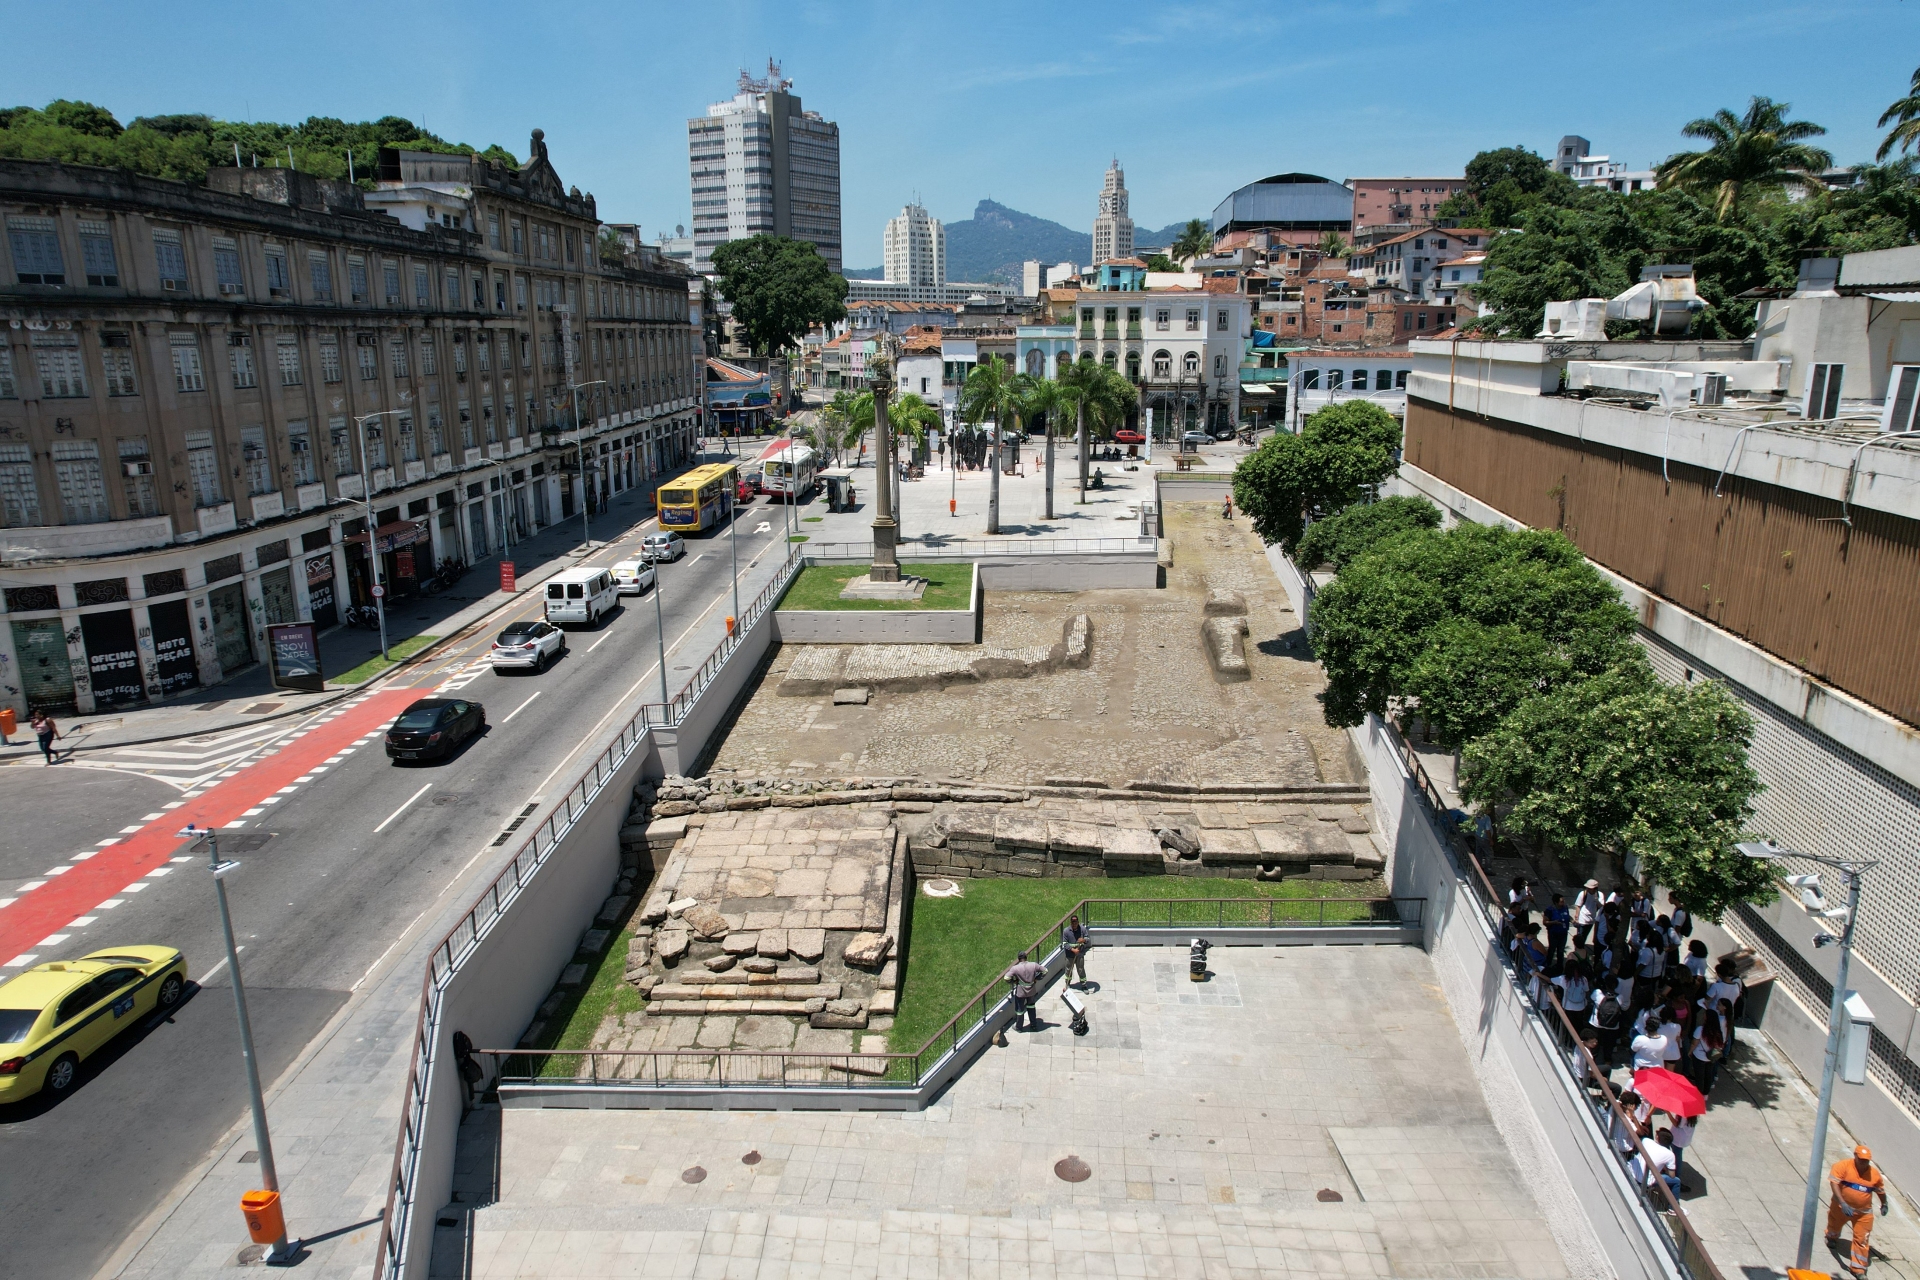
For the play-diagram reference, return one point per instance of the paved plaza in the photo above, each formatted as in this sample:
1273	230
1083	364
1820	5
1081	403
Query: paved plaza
1308	1112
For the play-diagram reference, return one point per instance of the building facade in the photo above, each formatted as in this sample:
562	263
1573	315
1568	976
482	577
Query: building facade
1112	227
763	165
1287	208
1181	347
1409	202
200	387
915	248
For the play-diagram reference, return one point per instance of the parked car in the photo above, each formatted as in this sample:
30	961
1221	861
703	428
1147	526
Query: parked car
432	727
533	643
56	1015
581	595
1192	440
633	577
1127	435
656	547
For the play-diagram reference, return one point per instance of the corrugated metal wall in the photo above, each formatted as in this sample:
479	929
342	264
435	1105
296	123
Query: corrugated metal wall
1771	565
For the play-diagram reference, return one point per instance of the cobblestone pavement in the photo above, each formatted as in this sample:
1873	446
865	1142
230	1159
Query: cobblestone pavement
1216	1121
1147	707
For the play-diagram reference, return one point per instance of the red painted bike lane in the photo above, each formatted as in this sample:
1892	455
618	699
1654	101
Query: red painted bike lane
49	909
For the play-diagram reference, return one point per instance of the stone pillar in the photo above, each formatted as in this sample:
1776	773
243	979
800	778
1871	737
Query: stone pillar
886	529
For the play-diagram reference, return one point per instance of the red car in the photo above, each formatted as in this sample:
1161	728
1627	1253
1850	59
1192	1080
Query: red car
1124	436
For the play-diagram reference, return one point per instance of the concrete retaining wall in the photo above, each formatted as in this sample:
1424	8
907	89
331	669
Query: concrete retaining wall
1070	573
885	626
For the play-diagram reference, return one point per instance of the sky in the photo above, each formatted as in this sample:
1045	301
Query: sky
1025	103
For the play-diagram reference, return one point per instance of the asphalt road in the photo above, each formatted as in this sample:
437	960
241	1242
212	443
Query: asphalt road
361	851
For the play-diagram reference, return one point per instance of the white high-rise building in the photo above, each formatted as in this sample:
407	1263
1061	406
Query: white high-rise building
916	248
1113	229
762	165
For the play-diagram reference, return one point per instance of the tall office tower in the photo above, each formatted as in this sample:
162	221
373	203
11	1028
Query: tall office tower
916	248
762	165
1113	229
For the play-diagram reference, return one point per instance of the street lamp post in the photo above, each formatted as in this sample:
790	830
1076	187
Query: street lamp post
660	636
373	535
1853	871
280	1250
580	439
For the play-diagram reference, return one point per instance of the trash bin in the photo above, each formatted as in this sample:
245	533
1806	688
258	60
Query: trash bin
265	1223
8	725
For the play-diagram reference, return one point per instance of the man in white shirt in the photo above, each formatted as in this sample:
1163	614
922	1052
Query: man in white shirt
1586	910
1656	1161
1649	1050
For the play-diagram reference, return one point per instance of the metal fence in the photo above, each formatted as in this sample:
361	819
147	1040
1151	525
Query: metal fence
1683	1241
459	941
904	1071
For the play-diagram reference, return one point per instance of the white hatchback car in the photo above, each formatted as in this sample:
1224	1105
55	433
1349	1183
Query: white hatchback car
633	577
656	547
533	643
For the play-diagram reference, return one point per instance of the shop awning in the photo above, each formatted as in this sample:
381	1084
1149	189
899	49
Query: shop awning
1256	389
400	533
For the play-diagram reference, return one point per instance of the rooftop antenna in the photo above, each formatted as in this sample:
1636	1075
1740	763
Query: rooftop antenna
350	177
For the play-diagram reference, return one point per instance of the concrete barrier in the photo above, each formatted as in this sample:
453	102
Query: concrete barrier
884	626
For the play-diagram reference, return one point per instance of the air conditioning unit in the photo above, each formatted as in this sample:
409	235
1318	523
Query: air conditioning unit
393	299
137	468
1823	392
298	444
1903	396
232	290
173	286
1713	388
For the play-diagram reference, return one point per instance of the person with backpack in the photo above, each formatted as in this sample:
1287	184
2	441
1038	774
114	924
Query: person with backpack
1608	1021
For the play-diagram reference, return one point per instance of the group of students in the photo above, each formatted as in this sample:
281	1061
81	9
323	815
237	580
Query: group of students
1629	976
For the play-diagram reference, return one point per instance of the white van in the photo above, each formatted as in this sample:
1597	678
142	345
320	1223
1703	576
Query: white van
581	595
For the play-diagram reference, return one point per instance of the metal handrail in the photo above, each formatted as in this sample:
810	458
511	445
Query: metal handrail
963	548
1689	1250
729	1068
455	945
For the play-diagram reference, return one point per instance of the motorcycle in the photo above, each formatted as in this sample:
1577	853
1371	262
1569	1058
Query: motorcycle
359	615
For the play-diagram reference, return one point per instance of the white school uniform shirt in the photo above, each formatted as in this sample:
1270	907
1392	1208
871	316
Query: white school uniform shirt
1653	1160
1573	992
1649	1050
1586	906
1683	1131
1697	965
1670	1032
1718	991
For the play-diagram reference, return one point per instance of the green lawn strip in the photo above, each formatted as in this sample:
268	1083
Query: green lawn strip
572	1026
797	537
375	665
956	946
820	585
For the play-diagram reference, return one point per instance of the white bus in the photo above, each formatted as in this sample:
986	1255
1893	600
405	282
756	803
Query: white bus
789	473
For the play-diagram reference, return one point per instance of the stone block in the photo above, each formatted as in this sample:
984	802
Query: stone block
594	941
665	829
740	944
850	697
705	921
1075	837
719	963
680	905
797	974
713	804
1228	846
610	909
1131	845
792	802
1095	784
1020	831
807	944
573	975
828	1020
1326	843
1356	824
747	802
1281	844
884	1002
816	1005
773	944
868	950
1180	840
673	809
760	964
672	944
1222	603
934	794
1225	640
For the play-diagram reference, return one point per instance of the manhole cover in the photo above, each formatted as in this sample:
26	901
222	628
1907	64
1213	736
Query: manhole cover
752	1157
695	1174
1072	1169
941	889
446	798
1327	1195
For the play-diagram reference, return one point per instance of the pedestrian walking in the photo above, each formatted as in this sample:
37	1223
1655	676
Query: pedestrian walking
1025	976
1226	508
1075	943
47	732
1854	1184
1559	922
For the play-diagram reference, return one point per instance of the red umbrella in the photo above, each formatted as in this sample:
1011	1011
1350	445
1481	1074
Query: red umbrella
1668	1091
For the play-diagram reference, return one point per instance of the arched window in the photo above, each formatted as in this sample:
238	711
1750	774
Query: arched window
1061	361
1133	365
1035	363
1162	365
1190	364
1111	359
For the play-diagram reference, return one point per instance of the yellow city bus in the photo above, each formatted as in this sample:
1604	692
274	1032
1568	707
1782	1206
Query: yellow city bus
699	499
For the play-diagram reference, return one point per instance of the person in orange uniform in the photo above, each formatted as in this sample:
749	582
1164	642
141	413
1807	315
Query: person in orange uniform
1855	1183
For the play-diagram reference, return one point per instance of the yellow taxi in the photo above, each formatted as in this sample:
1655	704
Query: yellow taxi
55	1015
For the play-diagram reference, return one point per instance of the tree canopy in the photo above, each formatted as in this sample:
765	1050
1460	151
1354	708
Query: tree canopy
1759	150
779	288
1346	535
1194	241
183	147
1340	452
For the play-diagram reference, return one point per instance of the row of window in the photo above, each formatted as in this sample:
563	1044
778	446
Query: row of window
1162	318
1336	380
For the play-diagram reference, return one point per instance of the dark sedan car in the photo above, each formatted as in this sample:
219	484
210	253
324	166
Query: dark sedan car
431	728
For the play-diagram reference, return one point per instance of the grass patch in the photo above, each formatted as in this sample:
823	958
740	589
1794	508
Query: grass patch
606	992
812	519
375	665
796	537
819	587
956	946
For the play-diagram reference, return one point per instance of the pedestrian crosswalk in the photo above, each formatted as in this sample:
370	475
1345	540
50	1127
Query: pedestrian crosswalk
464	675
191	764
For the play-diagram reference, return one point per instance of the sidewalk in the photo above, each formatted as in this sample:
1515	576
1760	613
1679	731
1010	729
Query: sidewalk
249	697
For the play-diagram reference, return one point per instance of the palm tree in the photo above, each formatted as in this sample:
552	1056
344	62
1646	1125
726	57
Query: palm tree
1905	112
1194	241
1761	150
1040	398
1075	385
1333	246
1112	398
989	394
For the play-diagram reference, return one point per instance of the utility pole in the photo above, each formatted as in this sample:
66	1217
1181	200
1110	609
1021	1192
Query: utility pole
373	535
886	530
579	431
280	1250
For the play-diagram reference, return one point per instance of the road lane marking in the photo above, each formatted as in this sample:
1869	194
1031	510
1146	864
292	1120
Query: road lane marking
597	643
215	972
516	711
403	808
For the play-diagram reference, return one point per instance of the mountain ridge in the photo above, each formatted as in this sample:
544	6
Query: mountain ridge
991	245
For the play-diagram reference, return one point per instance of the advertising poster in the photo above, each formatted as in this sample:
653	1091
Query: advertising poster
294	649
112	660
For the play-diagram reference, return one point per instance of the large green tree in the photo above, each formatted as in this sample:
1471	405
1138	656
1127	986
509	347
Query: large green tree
1340	452
991	395
1194	241
1348	534
1757	151
779	288
1629	762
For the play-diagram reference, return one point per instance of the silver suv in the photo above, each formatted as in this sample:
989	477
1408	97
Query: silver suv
656	547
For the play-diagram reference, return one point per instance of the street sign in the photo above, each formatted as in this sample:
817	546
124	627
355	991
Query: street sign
293	650
506	576
379	593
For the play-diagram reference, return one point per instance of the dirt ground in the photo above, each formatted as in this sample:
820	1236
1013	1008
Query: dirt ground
1147	708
